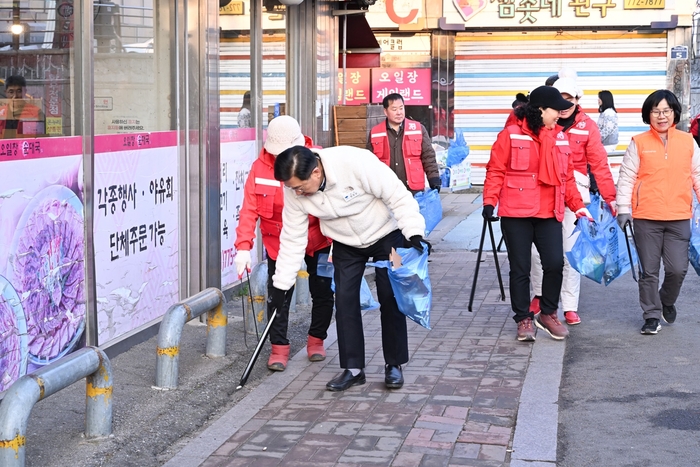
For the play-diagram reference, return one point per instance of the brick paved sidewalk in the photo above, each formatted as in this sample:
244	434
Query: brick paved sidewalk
458	405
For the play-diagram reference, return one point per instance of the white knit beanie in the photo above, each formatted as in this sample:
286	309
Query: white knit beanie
283	132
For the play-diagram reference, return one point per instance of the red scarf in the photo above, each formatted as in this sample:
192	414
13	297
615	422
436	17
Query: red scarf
550	173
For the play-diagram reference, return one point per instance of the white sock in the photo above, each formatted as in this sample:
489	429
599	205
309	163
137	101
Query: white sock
354	371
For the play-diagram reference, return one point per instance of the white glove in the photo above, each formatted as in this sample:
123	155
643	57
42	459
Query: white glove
242	262
583	212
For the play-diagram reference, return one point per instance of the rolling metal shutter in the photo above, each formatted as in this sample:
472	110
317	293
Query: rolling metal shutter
234	75
491	68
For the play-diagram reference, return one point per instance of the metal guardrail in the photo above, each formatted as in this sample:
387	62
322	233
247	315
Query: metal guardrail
210	301
88	362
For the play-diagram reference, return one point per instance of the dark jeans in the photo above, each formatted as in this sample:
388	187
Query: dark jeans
520	233
321	299
349	263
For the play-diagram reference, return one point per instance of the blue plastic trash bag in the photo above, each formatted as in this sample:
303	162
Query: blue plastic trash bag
367	301
602	215
617	259
430	208
411	284
325	269
587	255
694	250
458	150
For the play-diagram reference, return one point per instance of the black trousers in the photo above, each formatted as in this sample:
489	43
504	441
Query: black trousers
321	299
520	233
349	263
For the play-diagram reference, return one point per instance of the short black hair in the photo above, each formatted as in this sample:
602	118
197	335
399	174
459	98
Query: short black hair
297	161
391	98
606	98
15	80
653	101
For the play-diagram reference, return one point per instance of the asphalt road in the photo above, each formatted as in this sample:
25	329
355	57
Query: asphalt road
629	399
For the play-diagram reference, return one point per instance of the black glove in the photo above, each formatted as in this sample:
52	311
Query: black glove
417	243
275	298
487	213
435	184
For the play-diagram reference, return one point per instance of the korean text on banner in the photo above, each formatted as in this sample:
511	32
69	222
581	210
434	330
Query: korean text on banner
136	230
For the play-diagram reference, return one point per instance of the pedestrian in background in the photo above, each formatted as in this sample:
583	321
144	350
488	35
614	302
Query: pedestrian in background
404	145
263	199
244	117
607	120
530	177
659	171
587	153
365	209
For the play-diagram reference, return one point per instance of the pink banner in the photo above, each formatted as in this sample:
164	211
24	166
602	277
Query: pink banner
412	84
232	135
131	141
37	148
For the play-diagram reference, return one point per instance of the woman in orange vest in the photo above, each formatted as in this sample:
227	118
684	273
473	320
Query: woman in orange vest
530	177
659	171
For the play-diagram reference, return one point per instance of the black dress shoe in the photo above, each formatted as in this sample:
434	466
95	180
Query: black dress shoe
393	376
345	380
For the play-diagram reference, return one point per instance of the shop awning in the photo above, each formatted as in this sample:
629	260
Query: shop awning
362	47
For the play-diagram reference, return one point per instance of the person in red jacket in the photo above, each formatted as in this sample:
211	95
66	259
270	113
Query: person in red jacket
264	199
404	145
587	151
530	177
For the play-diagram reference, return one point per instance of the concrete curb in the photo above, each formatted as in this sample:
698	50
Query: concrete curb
535	437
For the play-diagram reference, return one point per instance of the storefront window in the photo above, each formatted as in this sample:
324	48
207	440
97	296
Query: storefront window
136	175
42	278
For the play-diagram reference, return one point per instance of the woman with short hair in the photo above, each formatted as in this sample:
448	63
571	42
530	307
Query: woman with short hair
658	173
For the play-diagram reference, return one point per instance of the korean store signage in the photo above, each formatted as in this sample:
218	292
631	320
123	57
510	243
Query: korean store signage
560	13
356	87
412	84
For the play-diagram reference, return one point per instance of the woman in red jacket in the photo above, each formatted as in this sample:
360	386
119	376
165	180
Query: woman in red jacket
530	177
264	199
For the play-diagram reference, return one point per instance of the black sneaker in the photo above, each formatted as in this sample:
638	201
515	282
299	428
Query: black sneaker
669	313
651	326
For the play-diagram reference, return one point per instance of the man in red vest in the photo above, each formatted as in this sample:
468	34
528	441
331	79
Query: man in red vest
404	145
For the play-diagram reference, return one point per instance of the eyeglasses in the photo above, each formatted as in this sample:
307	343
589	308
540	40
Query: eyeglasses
299	190
665	112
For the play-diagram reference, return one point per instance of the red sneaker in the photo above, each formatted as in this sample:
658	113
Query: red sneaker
572	318
552	325
526	331
535	306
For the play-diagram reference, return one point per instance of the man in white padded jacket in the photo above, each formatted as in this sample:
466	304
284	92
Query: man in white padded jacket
367	211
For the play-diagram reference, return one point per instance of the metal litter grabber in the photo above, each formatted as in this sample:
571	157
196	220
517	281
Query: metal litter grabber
256	352
629	252
487	222
261	342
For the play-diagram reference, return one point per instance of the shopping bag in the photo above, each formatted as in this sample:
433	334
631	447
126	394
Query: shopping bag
694	249
408	275
587	256
430	208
